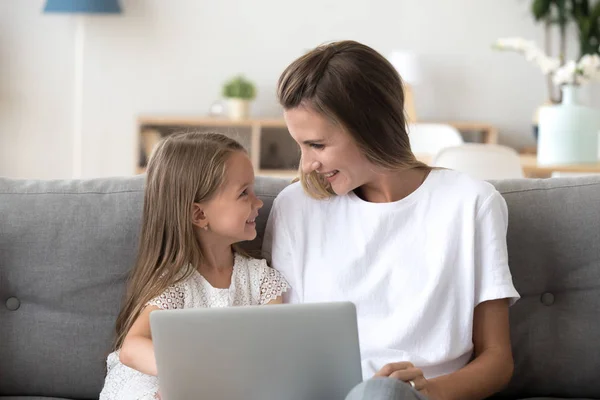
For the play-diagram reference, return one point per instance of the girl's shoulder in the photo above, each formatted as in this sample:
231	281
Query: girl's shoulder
268	282
173	297
252	265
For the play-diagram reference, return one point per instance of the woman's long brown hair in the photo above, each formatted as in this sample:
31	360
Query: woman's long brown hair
356	88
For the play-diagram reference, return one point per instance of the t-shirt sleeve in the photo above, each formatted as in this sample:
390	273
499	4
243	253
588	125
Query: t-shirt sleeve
272	284
277	250
171	299
493	279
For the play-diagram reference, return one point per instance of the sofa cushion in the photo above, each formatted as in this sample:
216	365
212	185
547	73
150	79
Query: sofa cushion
554	256
66	248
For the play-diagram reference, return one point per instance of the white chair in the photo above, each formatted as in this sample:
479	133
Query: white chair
482	161
427	139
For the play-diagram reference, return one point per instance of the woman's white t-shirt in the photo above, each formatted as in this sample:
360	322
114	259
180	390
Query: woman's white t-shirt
414	268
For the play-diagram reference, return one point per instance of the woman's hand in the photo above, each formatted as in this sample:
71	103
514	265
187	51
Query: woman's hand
408	373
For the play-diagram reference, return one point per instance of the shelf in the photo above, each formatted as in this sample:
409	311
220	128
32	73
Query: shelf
489	133
279	173
179	120
270	147
272	150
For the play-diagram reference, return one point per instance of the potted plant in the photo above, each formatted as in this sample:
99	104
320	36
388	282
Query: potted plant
239	92
584	14
556	16
568	131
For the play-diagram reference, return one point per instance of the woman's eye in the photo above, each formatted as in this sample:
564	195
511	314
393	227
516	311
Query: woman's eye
244	193
317	146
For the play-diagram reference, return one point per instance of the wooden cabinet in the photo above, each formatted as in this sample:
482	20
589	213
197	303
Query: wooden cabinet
272	150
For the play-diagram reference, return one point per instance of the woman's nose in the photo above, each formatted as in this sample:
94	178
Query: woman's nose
309	165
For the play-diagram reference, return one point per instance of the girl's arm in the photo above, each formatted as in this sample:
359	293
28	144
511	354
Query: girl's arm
137	351
278	300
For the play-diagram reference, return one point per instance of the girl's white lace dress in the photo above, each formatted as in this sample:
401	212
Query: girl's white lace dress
252	283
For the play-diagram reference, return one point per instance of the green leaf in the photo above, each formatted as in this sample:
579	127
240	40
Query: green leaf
561	8
580	8
541	9
596	12
239	87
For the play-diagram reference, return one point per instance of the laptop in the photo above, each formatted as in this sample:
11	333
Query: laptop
272	352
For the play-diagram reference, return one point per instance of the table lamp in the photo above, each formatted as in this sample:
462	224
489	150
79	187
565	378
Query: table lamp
407	65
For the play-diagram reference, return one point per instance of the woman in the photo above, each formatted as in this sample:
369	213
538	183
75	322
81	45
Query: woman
421	252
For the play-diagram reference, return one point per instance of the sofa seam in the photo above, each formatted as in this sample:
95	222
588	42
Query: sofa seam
82	193
38	193
545	189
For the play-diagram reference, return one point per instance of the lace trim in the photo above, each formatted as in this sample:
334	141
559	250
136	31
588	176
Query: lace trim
272	286
171	299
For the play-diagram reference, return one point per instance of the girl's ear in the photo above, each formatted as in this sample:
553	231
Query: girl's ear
198	217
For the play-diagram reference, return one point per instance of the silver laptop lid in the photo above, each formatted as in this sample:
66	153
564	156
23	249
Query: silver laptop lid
299	351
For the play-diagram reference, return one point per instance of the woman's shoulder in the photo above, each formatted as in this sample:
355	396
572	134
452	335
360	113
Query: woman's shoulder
295	197
291	192
455	183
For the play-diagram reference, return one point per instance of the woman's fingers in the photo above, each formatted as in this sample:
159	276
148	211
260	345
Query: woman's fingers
390	368
411	374
406	372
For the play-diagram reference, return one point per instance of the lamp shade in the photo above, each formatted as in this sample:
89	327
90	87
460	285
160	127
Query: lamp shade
407	65
83	6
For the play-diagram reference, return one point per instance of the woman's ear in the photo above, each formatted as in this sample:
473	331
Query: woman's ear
198	217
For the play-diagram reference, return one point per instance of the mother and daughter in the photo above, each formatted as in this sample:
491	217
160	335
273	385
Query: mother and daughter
421	252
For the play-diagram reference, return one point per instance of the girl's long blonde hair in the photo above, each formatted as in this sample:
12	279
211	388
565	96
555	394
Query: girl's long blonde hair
356	88
184	169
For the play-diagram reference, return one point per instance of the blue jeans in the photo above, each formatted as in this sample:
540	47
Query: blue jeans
384	389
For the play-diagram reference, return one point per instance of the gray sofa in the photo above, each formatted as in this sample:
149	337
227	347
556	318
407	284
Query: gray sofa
66	247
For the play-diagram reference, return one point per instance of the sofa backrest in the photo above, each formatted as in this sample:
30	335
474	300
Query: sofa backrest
554	256
65	251
66	248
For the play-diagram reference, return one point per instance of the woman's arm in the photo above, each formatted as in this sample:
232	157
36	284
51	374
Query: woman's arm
493	365
487	374
137	351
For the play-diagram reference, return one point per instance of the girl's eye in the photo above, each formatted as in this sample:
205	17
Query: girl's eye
244	193
317	146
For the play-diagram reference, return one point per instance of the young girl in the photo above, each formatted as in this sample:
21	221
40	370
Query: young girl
199	202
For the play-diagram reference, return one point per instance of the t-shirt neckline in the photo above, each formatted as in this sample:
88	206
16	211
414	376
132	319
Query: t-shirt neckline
406	201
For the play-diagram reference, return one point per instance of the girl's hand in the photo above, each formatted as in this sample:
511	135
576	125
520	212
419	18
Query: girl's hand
406	372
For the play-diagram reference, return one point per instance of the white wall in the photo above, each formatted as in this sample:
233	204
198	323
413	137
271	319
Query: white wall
167	56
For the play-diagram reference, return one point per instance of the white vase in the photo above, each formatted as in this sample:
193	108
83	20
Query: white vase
238	108
568	132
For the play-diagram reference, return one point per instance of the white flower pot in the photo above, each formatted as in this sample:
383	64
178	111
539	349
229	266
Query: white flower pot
568	132
238	108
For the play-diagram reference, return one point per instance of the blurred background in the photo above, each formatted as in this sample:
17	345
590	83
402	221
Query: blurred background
98	75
